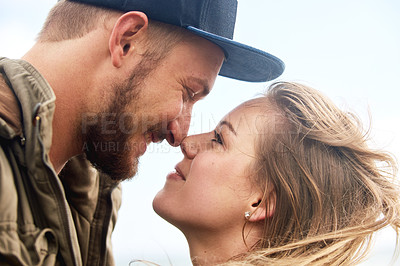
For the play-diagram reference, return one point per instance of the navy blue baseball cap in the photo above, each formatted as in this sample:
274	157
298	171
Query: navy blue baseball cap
213	20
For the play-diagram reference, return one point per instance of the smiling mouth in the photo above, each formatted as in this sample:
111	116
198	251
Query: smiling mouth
153	137
157	136
179	173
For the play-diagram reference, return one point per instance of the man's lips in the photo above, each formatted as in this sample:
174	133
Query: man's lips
154	137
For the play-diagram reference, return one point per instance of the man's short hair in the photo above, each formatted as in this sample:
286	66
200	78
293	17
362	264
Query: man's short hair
69	20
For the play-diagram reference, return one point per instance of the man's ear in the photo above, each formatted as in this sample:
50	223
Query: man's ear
126	34
260	210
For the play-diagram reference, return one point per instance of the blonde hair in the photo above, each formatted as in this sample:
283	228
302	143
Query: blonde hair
69	20
332	191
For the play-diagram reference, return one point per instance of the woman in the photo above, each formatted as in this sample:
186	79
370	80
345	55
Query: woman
284	179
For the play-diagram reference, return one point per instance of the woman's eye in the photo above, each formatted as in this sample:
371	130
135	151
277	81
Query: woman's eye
217	138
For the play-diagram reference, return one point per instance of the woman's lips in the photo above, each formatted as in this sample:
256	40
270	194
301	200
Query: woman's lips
176	175
179	172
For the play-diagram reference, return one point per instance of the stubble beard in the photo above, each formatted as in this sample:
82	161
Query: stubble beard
112	152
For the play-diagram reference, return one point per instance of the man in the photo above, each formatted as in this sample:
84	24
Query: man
105	79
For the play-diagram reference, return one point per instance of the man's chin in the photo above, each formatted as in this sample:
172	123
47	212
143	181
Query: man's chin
116	167
121	176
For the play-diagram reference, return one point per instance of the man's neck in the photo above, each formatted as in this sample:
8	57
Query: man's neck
62	75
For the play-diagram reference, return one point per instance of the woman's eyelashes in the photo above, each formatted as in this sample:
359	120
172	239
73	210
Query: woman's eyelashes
217	138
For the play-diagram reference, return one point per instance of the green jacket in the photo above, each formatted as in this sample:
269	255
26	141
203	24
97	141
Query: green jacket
46	219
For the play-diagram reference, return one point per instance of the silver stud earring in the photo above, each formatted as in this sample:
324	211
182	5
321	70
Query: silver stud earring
247	215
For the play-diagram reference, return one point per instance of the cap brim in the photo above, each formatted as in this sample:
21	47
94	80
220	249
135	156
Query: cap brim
243	62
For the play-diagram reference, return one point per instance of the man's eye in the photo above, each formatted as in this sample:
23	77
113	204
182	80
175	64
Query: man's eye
191	94
217	138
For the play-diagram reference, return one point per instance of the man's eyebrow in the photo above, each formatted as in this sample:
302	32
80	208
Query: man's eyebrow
229	125
203	83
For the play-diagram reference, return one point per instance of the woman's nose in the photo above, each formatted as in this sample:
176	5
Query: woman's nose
194	144
189	147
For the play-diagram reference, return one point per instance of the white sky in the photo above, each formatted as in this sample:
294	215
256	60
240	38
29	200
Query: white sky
348	49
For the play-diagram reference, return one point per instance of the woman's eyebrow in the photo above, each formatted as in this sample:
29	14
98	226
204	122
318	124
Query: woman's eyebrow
229	125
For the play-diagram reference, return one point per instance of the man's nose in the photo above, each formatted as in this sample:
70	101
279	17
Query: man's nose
177	129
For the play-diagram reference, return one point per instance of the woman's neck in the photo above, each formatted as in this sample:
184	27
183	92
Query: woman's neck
215	251
212	248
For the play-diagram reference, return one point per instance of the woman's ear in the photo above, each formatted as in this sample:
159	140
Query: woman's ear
258	212
125	35
261	210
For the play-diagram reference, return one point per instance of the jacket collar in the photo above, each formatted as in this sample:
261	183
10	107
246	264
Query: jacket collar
10	113
36	104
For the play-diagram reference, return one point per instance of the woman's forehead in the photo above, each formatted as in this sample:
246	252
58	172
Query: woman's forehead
244	118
